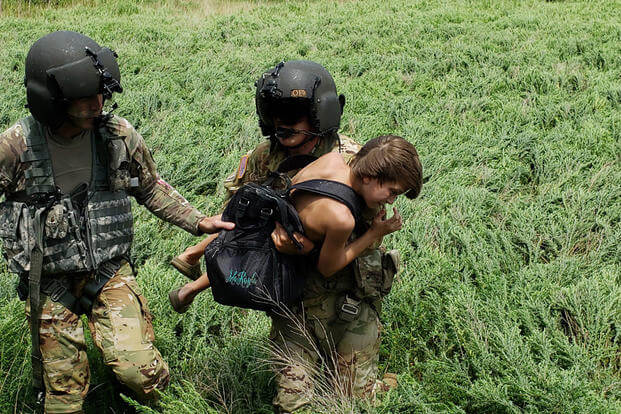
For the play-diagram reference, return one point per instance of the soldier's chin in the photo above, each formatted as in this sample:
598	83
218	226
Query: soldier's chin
288	142
84	123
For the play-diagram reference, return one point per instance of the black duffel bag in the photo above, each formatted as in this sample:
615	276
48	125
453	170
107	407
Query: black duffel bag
243	265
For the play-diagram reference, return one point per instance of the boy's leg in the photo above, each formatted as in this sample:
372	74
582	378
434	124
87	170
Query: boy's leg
181	298
188	291
63	349
121	327
193	254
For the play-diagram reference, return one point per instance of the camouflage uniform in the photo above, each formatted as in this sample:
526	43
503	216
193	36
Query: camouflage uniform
316	330
119	321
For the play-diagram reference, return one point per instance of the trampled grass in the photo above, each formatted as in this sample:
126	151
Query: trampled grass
510	300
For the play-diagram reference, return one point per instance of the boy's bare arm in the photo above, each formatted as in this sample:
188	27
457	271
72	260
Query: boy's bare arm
336	253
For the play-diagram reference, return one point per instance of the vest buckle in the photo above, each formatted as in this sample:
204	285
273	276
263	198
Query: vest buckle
55	290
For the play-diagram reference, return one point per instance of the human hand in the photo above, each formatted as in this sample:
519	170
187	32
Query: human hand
382	226
286	246
214	224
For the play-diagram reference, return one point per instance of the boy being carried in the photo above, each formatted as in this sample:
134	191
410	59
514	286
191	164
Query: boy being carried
386	167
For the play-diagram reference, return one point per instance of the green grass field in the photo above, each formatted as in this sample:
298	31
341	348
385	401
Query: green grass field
511	296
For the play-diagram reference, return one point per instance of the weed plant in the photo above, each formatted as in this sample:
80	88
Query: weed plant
510	298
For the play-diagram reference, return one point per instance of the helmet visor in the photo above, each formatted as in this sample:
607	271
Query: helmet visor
82	78
288	111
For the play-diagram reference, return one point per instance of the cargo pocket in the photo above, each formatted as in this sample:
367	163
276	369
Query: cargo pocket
368	272
124	321
390	267
146	322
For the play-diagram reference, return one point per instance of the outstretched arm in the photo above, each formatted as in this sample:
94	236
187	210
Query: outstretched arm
162	199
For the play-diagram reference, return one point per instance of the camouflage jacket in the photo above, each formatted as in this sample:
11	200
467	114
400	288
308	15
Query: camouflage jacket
152	191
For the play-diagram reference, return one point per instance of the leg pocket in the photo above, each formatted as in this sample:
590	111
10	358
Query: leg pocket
147	316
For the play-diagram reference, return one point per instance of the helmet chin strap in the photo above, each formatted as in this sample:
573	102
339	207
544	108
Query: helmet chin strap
305	141
277	144
308	138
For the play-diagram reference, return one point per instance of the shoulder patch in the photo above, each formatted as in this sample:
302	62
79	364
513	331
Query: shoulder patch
243	163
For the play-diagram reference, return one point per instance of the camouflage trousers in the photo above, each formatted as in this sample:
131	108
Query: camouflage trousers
120	324
305	341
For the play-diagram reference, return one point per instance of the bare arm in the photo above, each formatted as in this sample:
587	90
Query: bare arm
336	253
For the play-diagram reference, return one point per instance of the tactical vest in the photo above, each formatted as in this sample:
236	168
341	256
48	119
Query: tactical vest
80	232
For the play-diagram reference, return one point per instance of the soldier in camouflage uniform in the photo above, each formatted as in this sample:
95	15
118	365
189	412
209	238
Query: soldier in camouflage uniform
299	110
66	224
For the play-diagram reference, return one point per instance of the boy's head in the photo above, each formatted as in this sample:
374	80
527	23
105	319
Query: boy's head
390	164
295	91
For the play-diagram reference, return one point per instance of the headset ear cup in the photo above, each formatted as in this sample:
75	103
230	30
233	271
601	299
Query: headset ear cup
342	102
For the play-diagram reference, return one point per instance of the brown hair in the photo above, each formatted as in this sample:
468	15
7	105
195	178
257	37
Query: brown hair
390	158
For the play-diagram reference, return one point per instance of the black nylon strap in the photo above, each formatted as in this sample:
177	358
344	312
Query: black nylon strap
335	190
61	293
289	227
34	290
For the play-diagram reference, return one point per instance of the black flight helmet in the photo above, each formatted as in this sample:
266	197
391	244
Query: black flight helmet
66	65
295	88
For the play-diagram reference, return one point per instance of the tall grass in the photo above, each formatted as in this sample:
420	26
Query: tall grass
510	300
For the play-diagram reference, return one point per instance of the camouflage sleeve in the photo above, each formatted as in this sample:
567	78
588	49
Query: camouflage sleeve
152	191
239	177
11	146
348	147
252	168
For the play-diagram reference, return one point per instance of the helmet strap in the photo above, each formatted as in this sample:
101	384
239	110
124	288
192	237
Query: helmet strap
306	140
277	144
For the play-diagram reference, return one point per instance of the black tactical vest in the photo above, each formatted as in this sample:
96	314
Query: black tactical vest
80	231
